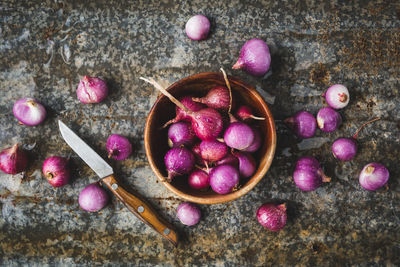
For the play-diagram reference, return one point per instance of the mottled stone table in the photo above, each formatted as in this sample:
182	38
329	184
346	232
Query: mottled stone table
47	46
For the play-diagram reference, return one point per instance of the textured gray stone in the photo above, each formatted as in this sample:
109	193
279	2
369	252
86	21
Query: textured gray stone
47	46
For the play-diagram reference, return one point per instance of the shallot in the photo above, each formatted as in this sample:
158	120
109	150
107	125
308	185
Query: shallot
245	112
256	142
308	174
179	161
181	133
328	119
272	217
56	171
118	147
29	111
247	164
93	198
224	179
373	176
91	90
254	57
218	98
337	96
188	213
199	179
197	27
13	160
239	136
181	114
213	150
303	124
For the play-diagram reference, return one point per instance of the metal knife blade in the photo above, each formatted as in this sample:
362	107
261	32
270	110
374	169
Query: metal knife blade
95	162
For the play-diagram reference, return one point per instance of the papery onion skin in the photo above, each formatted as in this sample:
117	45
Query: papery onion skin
373	176
29	111
188	213
199	179
13	160
303	124
56	171
91	90
308	174
217	98
197	27
230	160
178	161
239	136
93	198
328	119
247	164
344	148
272	217
181	133
207	124
337	96
213	150
256	142
254	57
118	147
224	179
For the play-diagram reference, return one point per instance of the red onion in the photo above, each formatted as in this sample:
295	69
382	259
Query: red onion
303	124
272	217
93	198
29	111
337	96
247	164
344	148
308	174
118	147
56	171
13	160
197	155
206	123
217	98
224	179
181	114
256	142
197	27
245	112
239	136
199	179
188	213
373	176
254	57
328	119
229	159
213	150
91	90
179	161
181	133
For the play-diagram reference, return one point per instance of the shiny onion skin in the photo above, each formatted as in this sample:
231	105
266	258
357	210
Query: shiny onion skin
178	161
254	57
197	27
13	160
328	119
56	171
188	213
199	179
272	217
303	124
29	111
373	176
308	174
93	198
224	179
118	147
217	98
337	96
213	150
239	136
91	90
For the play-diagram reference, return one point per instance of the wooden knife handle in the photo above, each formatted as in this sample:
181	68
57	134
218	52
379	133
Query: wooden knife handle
142	210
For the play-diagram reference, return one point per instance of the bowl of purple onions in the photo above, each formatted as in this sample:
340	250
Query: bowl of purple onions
209	138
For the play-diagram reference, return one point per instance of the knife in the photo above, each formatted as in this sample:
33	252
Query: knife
134	203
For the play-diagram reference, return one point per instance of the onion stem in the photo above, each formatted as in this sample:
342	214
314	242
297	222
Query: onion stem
229	88
362	126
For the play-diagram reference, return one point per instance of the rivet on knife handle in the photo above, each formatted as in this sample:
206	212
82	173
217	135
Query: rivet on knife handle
142	210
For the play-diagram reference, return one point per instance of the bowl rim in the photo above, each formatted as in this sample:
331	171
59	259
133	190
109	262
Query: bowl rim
218	199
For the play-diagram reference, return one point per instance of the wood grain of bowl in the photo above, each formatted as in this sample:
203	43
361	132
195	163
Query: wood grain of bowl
155	138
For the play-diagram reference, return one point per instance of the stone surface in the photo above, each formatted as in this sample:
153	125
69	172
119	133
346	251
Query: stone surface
47	46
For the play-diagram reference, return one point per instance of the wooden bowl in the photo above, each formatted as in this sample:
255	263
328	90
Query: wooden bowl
155	138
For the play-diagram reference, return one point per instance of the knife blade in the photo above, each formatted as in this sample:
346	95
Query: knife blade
134	203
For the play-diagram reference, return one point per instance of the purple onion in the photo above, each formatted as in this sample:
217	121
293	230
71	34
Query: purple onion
213	150
272	217
197	27
29	111
247	164
239	136
303	124
188	213
199	179
337	96
181	133
254	57
217	98
245	112
197	155
118	147
93	198
207	124
56	171
256	142
91	90
308	174
181	114
13	160
229	159
328	119
224	179
179	161
373	176
344	148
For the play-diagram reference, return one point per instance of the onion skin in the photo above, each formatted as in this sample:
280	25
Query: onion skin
207	124
254	57
328	119
239	136
303	124
247	164
256	142
178	161
230	160
308	174
56	171
29	111
373	176
272	217
188	213
245	112
224	179
13	160
213	150
337	96
181	114
199	179
181	133
197	27
217	98
91	90
93	198
344	148
118	147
